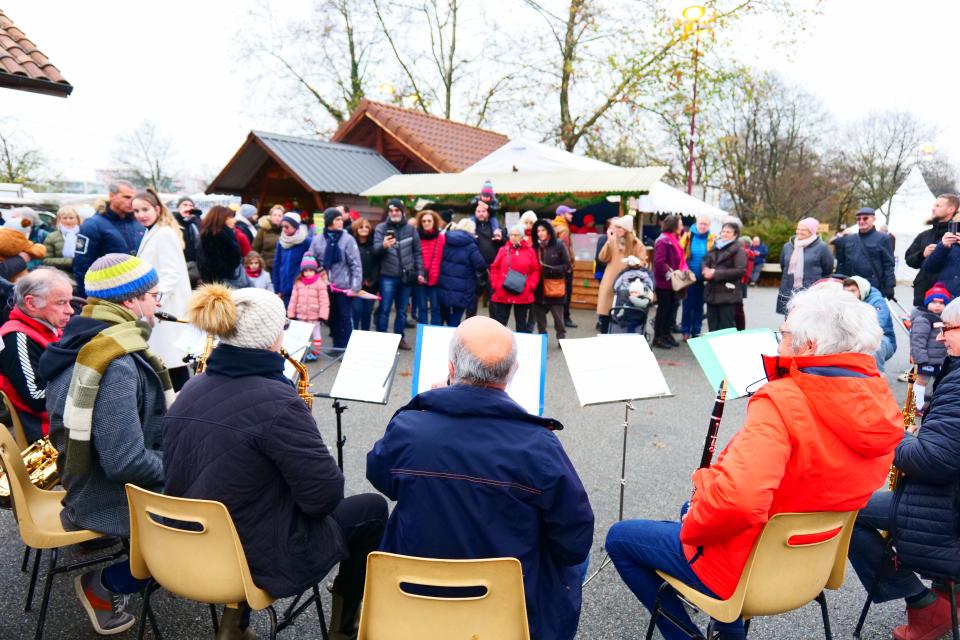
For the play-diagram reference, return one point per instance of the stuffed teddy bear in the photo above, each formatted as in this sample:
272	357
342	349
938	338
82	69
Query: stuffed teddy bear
14	240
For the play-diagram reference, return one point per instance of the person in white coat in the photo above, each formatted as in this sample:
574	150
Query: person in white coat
162	248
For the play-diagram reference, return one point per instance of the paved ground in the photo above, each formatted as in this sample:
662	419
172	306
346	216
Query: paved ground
665	441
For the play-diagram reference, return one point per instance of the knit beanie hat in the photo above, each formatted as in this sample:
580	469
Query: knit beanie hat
937	291
247	211
308	262
292	218
487	188
398	203
624	222
330	214
183	199
863	284
117	277
250	318
810	224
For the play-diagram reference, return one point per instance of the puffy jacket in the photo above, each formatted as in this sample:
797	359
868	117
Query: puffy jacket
761	251
476	476
731	265
265	242
875	299
404	255
239	434
924	346
458	270
927	503
695	246
817	264
666	258
309	302
220	256
944	265
914	259
522	259
348	272
432	251
54	258
102	234
286	267
868	255
818	437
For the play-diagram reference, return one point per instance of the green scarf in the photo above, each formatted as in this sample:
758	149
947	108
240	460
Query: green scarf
125	335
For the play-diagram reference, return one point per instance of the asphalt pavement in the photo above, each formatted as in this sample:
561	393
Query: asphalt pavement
665	439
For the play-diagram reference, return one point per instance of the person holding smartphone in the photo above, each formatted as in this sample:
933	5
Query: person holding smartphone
397	245
943	262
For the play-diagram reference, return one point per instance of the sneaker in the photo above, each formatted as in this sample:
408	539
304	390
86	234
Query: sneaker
671	340
905	376
926	623
569	324
310	357
410	323
107	610
404	345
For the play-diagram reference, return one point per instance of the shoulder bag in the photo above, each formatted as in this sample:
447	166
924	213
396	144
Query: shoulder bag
515	282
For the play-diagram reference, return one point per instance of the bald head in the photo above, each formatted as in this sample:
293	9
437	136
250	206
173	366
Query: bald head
482	352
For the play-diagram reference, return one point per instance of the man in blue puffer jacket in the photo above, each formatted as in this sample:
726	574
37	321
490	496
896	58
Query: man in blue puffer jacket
113	231
922	513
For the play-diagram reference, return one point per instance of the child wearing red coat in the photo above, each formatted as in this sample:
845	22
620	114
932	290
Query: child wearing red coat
310	302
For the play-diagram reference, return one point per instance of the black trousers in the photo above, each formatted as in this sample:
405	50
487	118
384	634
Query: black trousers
666	313
556	310
500	311
721	316
362	519
568	281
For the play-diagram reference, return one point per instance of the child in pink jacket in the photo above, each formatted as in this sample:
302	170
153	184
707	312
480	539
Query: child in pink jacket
310	302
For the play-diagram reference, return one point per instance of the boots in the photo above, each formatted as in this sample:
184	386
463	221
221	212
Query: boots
926	623
344	619
229	628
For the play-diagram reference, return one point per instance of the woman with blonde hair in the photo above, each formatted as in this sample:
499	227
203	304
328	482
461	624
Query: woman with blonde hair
61	243
621	242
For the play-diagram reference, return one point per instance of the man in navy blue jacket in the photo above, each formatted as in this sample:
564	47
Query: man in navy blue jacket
113	231
867	254
476	476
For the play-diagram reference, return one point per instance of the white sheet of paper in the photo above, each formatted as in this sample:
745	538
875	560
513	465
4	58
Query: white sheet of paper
613	368
296	339
527	386
365	369
191	340
739	354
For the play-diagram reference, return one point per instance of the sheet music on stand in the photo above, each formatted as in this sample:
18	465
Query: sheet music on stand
296	340
366	371
735	356
613	368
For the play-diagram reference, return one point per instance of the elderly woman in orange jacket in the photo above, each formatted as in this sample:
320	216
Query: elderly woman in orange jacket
801	449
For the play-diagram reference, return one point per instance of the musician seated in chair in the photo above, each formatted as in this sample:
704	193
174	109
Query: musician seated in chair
819	436
922	511
41	309
106	395
239	434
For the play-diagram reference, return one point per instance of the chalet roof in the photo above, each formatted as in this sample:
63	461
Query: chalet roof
439	145
24	67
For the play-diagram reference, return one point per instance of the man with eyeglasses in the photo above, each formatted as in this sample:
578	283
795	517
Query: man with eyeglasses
867	253
41	309
106	396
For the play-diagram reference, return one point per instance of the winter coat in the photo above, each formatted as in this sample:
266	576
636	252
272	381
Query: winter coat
761	251
265	242
404	255
346	274
162	249
925	506
562	229
220	256
126	432
457	280
24	340
239	434
476	476
102	234
612	256
286	267
190	228
944	265
522	259
54	258
309	302
370	266
924	346
817	264
489	247
242	240
695	246
876	300
432	251
731	265
818	437
914	259
666	258
246	228
554	261
262	281
868	255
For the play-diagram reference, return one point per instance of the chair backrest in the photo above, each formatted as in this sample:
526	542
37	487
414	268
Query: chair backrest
425	599
191	548
18	431
795	557
21	489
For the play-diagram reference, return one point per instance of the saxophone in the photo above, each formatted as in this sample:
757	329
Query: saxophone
202	358
303	379
40	460
909	420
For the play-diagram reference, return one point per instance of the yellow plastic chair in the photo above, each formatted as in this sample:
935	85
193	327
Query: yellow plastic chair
204	561
393	611
795	557
18	433
38	518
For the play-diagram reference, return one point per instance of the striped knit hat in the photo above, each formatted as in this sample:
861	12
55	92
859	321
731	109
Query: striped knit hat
117	277
309	262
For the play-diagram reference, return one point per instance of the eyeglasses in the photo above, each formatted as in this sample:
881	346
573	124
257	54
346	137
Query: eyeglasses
157	295
779	335
944	329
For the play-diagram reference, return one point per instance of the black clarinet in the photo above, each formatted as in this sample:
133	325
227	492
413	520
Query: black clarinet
713	430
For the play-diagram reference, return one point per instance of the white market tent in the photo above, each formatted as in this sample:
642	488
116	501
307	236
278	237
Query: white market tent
908	211
524	155
666	199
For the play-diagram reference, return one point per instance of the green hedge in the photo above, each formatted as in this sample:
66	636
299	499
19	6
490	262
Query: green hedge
774	232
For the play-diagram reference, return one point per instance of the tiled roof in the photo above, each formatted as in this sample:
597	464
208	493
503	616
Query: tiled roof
443	145
323	167
24	67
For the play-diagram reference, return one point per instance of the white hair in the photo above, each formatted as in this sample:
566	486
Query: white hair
951	313
37	283
704	217
518	228
471	370
834	321
528	215
466	224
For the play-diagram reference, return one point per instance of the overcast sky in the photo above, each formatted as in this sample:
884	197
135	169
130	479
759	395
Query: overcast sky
174	62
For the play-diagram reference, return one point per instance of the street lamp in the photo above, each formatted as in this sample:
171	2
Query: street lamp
694	17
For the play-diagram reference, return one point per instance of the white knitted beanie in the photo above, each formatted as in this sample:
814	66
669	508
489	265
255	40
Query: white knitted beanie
260	319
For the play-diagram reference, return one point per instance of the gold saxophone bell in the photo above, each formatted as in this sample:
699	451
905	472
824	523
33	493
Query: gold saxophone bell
40	459
909	420
303	379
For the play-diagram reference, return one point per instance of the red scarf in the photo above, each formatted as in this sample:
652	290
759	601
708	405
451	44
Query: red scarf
306	280
253	274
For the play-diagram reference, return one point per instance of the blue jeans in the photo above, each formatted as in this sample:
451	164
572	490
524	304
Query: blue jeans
887	348
755	274
639	547
692	318
362	311
424	295
117	578
393	293
867	548
454	316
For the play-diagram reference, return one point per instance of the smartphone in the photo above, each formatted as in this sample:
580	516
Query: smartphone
953	227
389	233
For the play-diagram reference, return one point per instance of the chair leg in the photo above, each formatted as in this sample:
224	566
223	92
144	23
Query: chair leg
48	585
746	626
953	609
153	621
33	579
873	589
273	622
216	620
822	599
26	559
323	620
655	613
141	619
710	628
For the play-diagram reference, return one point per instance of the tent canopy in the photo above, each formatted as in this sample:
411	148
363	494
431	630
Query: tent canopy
909	212
524	155
666	199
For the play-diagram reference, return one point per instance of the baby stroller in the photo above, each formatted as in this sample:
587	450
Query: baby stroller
632	298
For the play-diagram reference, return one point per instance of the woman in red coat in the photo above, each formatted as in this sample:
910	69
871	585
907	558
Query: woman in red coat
515	257
819	436
426	293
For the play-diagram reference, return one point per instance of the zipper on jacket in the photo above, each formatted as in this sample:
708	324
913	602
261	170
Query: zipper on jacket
696	556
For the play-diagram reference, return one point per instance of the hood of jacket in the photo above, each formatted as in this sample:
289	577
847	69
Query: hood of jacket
61	355
458	238
855	403
266	224
463	400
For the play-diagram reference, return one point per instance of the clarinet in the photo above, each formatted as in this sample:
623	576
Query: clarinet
713	430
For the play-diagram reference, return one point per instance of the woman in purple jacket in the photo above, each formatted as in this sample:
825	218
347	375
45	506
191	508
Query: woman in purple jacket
667	256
